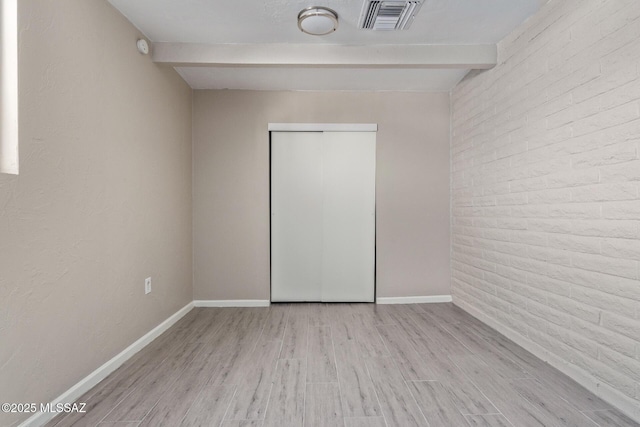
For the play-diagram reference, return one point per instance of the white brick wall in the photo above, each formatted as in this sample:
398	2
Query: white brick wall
545	188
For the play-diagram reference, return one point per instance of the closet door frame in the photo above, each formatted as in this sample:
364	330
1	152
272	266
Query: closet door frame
315	127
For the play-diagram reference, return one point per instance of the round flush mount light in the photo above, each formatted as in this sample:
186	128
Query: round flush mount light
317	20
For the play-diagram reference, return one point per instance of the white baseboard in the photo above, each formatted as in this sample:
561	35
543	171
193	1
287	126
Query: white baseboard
88	382
413	300
630	407
232	303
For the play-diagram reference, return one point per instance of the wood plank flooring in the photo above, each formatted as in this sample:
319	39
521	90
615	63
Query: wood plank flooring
351	365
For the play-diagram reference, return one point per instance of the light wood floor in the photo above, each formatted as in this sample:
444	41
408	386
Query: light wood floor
352	365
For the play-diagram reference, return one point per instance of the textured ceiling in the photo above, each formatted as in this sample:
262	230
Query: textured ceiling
274	21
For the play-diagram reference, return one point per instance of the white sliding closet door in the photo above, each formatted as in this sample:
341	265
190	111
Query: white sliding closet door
322	216
296	211
349	203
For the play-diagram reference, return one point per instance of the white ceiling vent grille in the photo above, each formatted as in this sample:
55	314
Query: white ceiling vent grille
388	15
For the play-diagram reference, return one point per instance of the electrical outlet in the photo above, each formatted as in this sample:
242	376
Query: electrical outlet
147	285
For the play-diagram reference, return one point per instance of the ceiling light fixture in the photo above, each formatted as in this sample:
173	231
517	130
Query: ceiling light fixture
317	20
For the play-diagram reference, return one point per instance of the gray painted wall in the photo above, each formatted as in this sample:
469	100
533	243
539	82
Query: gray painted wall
231	186
102	201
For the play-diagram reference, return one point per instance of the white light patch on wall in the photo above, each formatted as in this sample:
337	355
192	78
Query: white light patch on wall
9	87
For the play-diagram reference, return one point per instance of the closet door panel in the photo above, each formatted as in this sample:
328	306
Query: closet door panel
348	219
296	216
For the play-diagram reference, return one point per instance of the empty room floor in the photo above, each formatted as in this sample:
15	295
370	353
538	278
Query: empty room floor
352	365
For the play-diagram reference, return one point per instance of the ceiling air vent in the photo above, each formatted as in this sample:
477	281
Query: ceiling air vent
388	15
